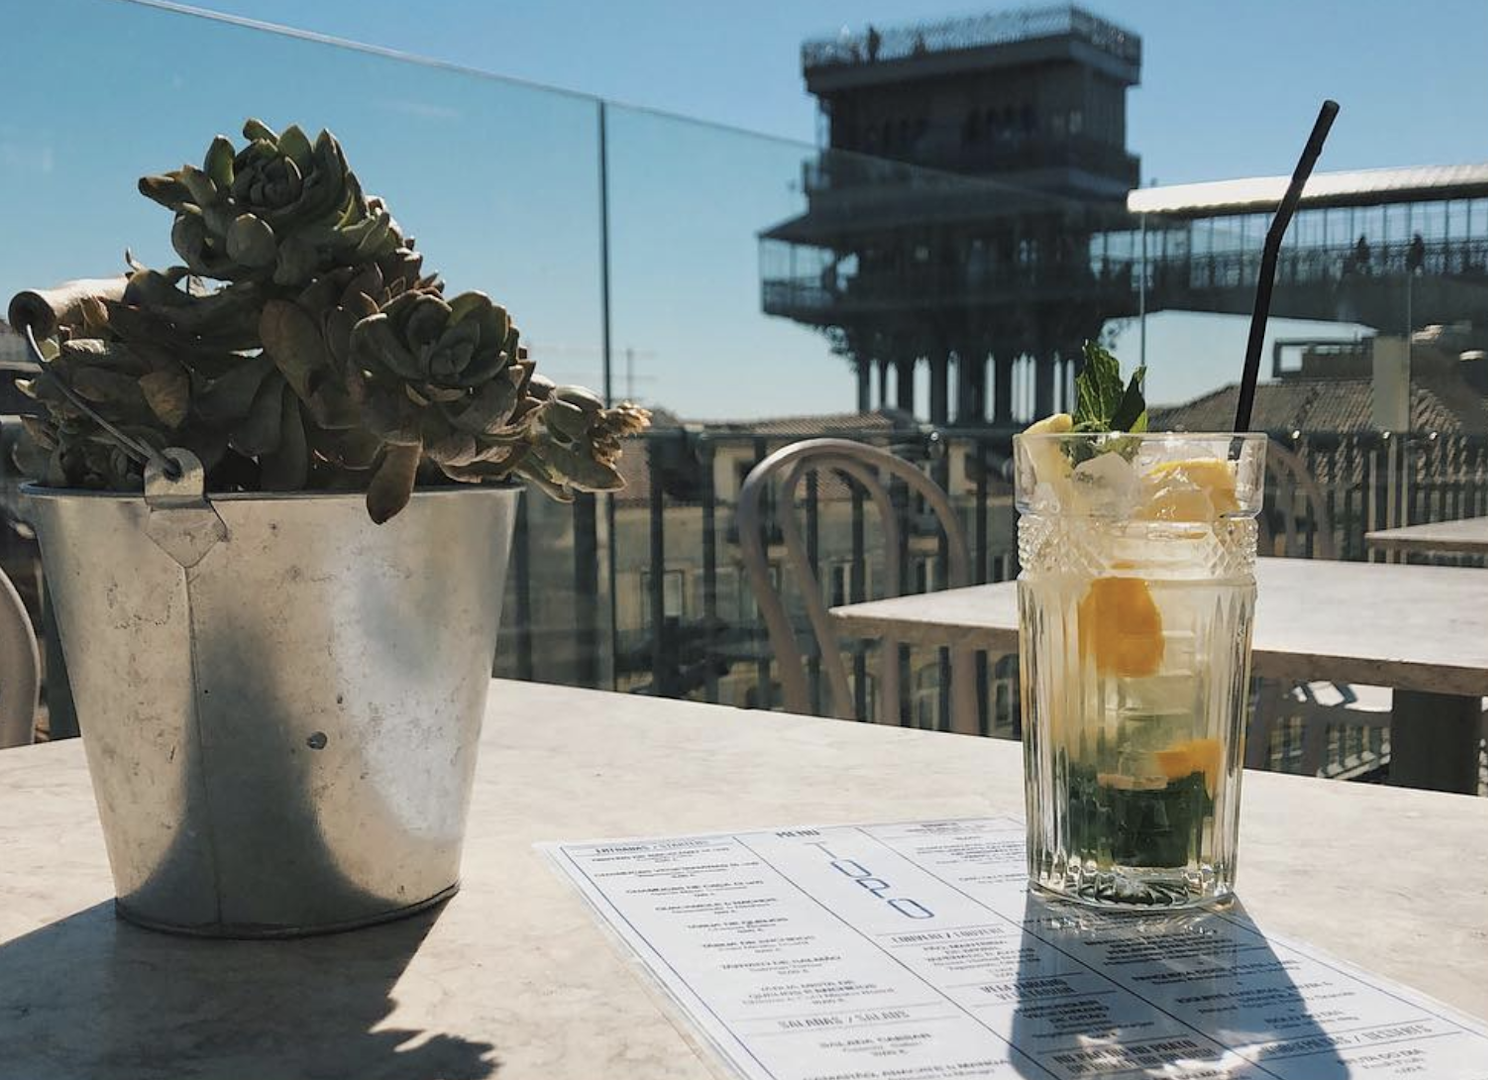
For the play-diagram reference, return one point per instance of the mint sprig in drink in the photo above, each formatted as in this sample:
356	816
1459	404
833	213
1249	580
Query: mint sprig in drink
1136	597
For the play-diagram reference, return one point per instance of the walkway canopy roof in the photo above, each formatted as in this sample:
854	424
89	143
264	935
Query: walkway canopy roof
1361	187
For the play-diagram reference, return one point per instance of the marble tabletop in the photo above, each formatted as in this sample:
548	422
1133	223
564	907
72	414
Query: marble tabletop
1407	627
514	979
1468	536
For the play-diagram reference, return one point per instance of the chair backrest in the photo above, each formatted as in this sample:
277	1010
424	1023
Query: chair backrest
20	669
865	465
1297	522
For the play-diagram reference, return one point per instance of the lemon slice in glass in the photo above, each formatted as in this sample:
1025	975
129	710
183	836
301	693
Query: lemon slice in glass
1199	489
1050	466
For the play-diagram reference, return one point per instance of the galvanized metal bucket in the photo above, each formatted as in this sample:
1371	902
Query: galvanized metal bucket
280	701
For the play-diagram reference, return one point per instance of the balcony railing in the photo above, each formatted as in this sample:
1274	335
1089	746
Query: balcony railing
645	592
1300	264
838	172
929	287
974	32
1176	280
667	556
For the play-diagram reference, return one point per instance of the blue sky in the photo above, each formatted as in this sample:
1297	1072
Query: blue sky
499	181
1225	85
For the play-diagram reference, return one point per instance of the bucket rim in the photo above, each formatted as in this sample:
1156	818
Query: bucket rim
32	489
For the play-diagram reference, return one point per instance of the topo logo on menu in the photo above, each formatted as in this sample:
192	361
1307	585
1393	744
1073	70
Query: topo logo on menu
875	885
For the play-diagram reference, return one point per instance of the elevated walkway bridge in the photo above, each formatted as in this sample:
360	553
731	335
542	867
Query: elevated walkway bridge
912	266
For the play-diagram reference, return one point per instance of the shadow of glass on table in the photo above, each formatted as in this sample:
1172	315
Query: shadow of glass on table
1190	994
91	995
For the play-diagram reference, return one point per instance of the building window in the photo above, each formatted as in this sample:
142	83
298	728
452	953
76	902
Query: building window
673	595
839	583
726	598
742	469
1076	121
749	610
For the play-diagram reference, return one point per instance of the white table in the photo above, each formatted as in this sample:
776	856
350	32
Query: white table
1466	537
514	971
1421	630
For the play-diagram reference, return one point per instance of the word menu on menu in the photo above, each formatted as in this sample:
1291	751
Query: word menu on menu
915	952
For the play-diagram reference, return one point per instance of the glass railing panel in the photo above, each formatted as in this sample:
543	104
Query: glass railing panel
755	291
498	181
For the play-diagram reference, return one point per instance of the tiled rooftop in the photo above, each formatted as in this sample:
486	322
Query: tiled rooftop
1340	405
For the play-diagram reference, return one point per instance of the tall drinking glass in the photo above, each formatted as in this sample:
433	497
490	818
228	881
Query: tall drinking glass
1136	599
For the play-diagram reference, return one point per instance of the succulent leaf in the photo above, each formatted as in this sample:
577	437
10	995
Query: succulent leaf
286	465
230	396
300	343
293	341
168	393
392	483
218	163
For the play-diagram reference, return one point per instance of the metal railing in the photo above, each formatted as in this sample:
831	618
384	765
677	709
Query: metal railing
645	592
959	170
1383	481
681	619
974	32
1171	281
1306	265
930	286
674	615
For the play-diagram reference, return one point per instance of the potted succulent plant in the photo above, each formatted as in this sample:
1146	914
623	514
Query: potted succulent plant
276	570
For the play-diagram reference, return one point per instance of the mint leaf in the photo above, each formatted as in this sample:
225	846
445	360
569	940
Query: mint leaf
1131	414
1101	405
1097	390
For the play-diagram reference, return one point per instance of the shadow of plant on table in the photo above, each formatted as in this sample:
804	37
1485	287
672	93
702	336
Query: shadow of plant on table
93	996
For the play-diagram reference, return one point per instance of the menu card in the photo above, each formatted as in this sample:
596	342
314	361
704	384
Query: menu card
915	952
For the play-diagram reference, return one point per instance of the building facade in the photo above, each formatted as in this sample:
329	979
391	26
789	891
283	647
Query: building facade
975	210
967	165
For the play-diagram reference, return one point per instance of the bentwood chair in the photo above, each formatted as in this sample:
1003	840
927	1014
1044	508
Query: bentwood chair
870	467
20	665
20	669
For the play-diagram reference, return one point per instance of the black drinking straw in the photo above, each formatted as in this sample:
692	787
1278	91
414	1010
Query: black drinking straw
1262	310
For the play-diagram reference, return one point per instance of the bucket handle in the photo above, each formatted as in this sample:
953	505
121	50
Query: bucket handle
141	452
182	522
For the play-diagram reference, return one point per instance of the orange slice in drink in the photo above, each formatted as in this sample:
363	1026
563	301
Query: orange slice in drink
1200	489
1184	759
1121	628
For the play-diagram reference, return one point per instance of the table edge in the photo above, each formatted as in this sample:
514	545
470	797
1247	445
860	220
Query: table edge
1444	677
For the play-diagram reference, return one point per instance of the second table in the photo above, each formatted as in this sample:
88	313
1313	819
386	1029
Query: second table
1420	630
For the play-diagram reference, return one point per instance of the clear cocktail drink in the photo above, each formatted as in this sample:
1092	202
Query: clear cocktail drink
1136	595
